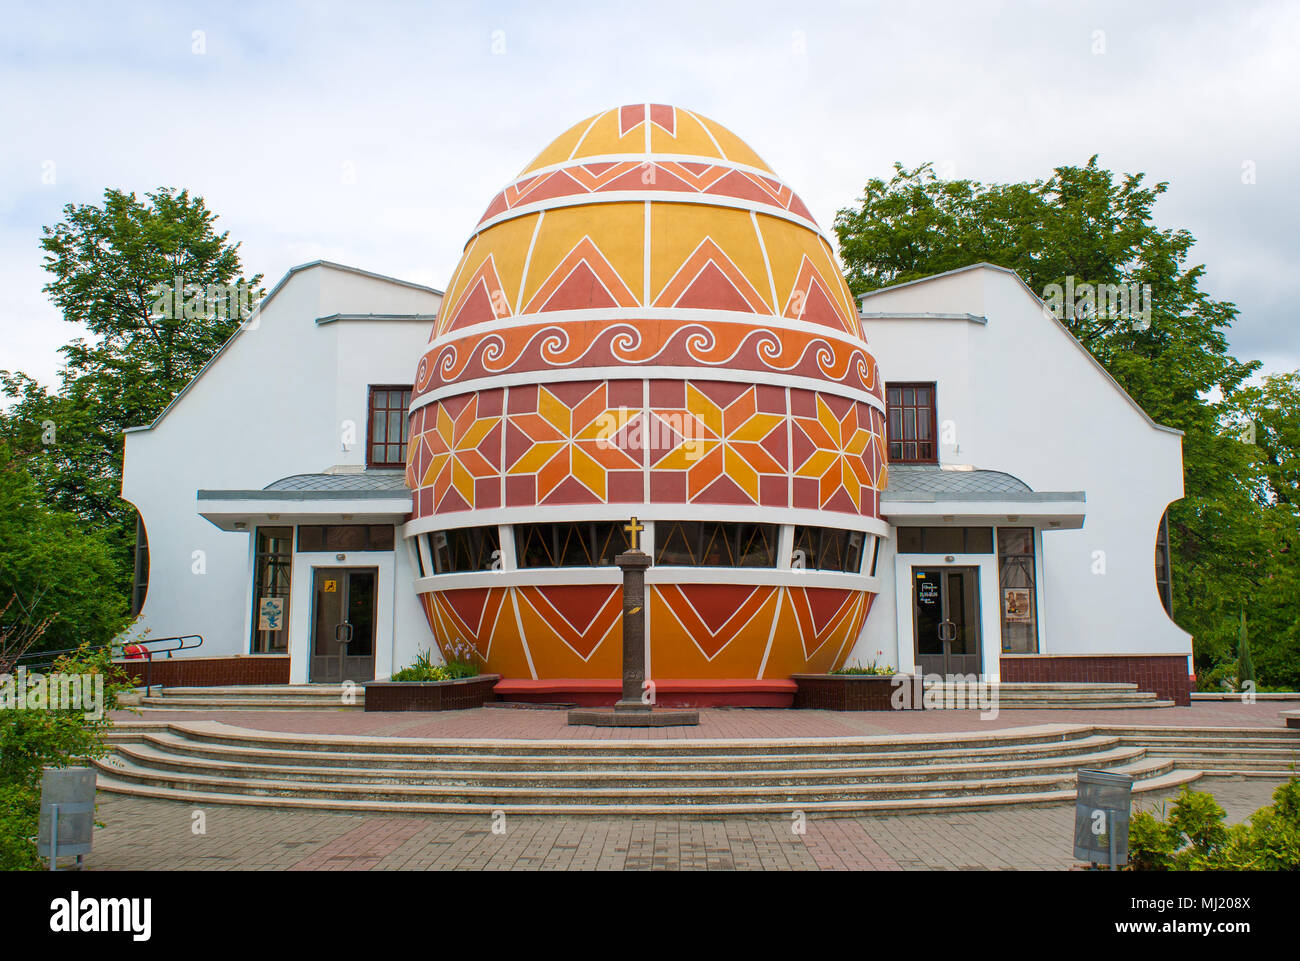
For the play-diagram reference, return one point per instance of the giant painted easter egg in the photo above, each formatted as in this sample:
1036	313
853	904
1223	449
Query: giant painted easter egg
647	322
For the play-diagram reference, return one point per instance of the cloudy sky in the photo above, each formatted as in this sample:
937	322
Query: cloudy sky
433	106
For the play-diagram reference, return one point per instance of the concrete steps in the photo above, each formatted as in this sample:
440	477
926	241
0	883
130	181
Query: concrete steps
209	762
1240	752
1026	696
268	697
951	695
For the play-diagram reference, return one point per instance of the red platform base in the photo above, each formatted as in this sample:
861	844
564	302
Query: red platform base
670	692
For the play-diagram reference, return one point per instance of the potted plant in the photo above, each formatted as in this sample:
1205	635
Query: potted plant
424	686
856	687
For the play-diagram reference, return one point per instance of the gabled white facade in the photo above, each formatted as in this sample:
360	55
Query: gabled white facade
1016	393
286	395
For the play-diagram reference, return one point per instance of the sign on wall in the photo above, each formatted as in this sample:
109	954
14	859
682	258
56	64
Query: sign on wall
270	614
1015	604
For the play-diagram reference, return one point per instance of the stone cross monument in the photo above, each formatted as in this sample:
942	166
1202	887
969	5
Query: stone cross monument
634	708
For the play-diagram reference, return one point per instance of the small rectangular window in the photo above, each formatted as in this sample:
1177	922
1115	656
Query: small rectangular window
386	427
912	427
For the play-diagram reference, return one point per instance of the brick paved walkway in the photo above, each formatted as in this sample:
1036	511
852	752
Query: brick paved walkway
160	835
714	722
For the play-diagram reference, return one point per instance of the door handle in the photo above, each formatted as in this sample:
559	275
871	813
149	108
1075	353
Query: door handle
947	631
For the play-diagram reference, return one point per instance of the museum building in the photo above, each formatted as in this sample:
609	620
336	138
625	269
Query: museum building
647	322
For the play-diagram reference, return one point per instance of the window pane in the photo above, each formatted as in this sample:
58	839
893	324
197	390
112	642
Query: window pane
1016	580
943	540
909	397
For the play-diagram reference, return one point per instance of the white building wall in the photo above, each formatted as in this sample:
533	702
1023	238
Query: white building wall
271	404
1019	395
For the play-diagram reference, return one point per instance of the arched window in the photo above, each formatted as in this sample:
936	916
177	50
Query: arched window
1164	583
140	581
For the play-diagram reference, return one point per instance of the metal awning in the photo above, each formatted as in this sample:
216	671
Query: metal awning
363	497
929	493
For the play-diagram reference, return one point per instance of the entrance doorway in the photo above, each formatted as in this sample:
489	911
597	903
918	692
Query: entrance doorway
946	619
343	624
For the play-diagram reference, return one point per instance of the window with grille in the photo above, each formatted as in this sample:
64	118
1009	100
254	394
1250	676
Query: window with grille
1164	583
580	544
272	567
912	425
1019	599
140	582
386	428
715	544
829	549
465	549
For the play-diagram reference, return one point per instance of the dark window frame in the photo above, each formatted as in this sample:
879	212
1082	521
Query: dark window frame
386	443
140	575
1164	571
265	584
896	427
830	548
569	544
734	544
464	550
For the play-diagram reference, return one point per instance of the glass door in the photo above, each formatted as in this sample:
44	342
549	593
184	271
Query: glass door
343	624
946	620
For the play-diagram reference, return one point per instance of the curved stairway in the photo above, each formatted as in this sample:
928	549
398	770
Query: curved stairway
210	762
948	695
1220	751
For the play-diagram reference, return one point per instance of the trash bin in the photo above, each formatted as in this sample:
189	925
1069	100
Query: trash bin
1101	813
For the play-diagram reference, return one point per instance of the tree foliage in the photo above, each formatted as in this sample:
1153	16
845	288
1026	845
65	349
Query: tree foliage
109	265
1233	535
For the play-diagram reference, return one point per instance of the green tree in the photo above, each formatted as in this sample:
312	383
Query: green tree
110	267
1228	539
54	568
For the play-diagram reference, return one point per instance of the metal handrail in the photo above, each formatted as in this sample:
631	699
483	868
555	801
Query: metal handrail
178	643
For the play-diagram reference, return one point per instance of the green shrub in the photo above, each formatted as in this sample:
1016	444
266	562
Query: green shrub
31	740
1195	838
425	670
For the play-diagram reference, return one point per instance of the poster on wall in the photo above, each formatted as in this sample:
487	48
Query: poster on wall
270	614
1015	605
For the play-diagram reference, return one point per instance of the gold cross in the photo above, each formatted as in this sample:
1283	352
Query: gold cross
632	529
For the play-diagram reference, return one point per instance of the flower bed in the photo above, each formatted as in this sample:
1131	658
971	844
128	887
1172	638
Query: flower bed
853	692
454	695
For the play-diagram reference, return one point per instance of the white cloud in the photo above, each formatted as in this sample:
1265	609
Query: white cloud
433	122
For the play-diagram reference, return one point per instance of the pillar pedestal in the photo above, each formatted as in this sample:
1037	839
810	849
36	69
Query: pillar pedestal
632	710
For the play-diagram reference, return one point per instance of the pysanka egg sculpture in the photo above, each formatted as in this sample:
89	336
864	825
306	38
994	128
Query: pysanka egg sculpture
647	323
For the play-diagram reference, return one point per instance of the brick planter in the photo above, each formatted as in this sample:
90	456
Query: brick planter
850	692
457	695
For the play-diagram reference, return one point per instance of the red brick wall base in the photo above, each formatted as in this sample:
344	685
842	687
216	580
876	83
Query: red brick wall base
1162	674
211	671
